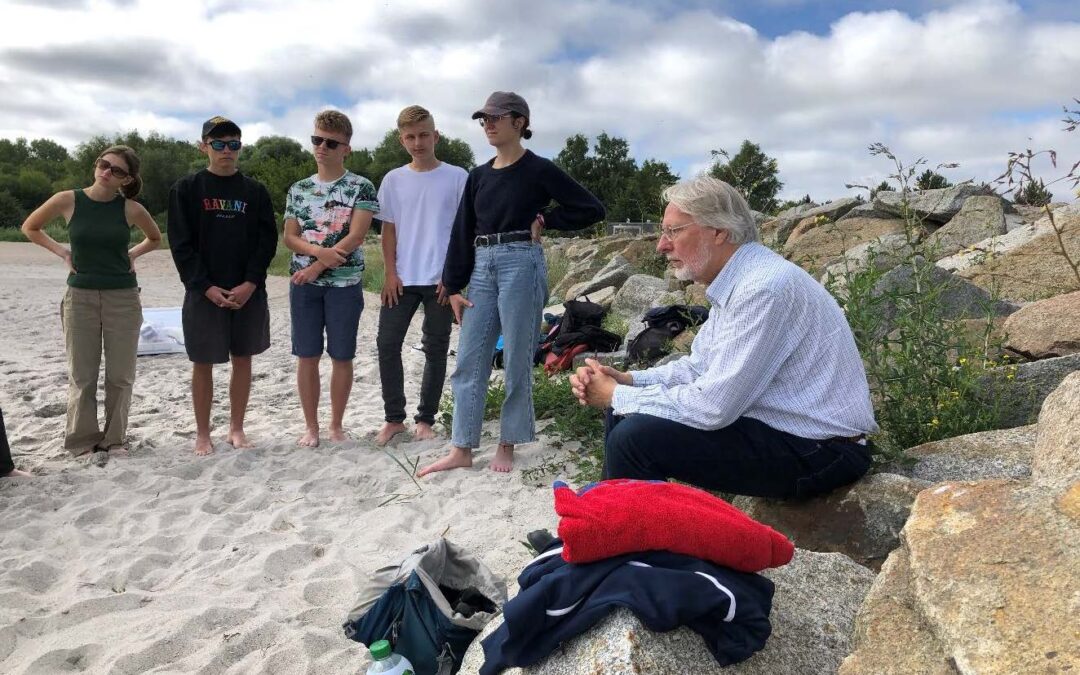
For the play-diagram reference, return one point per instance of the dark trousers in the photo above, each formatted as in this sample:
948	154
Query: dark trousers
6	465
747	457
393	324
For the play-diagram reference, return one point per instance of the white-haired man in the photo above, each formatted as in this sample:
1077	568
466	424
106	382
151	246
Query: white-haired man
773	399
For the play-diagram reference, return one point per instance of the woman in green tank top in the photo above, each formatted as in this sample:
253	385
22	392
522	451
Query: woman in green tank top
101	309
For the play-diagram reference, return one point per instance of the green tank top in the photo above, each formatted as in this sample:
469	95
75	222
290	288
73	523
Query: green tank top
99	234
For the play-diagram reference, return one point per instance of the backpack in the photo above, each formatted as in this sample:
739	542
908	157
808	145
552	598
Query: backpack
430	607
662	325
581	313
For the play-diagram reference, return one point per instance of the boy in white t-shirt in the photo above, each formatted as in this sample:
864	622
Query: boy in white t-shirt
417	205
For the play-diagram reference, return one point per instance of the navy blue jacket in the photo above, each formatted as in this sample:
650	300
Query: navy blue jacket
559	600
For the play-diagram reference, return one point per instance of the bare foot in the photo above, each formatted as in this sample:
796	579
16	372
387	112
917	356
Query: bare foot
238	439
457	458
338	434
16	473
310	439
203	445
79	452
423	432
504	458
117	450
388	431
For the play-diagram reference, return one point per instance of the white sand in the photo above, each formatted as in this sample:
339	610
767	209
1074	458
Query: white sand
243	561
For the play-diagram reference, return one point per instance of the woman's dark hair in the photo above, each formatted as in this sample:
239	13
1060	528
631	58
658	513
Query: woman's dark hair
526	133
130	190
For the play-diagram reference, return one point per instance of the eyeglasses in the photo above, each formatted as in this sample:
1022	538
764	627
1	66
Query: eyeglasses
218	145
116	171
670	232
331	144
485	120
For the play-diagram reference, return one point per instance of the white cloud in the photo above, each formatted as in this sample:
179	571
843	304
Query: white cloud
962	82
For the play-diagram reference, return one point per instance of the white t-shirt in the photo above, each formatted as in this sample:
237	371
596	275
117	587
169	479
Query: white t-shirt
422	206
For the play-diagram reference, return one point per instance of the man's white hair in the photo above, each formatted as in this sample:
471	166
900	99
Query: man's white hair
713	203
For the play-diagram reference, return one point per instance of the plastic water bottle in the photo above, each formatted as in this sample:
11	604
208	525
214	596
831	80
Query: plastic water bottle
386	662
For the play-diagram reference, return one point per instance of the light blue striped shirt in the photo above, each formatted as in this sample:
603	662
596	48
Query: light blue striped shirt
776	347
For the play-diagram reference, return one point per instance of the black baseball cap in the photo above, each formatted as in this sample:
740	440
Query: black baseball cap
219	126
502	103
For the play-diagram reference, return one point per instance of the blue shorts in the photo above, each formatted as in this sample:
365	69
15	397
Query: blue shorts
334	309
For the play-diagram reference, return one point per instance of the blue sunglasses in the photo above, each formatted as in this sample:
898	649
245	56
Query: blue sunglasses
221	145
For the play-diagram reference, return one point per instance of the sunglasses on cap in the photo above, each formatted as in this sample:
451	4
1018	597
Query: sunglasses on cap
116	171
331	144
219	145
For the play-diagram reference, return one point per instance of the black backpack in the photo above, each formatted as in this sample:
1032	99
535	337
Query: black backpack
663	325
581	313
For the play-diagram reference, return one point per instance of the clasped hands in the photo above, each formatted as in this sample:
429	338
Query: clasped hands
233	298
594	383
325	259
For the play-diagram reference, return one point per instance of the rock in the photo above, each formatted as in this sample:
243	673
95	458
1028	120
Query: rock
614	273
935	206
636	294
1030	214
868	211
638	249
1046	329
981	217
886	251
795	212
1002	453
959	298
891	636
681	342
1036	268
987	249
695	295
813	613
1057	451
862	521
578	272
760	217
817	248
994	573
613	359
1019	390
775	232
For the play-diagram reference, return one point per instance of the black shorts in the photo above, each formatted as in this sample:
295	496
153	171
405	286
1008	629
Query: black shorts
212	333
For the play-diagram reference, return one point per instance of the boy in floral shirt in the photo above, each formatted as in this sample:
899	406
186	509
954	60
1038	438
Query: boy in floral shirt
326	219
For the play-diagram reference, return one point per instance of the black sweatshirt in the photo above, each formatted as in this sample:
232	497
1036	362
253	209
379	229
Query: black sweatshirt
221	230
507	200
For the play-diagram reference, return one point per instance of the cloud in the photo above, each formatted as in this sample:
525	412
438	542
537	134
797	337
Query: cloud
949	81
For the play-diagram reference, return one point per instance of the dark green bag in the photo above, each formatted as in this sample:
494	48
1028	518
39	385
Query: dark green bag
413	606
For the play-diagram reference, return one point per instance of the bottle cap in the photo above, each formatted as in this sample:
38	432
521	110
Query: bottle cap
380	650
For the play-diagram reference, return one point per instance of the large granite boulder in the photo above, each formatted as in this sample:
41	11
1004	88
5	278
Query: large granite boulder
638	249
776	231
862	521
959	299
1046	329
614	273
1057	450
869	211
1037	268
885	253
1001	453
816	248
579	271
1018	390
637	294
817	596
932	206
993	575
981	217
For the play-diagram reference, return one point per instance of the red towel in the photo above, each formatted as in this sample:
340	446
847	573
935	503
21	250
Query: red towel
620	516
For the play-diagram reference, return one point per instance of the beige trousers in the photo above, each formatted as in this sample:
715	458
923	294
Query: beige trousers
94	320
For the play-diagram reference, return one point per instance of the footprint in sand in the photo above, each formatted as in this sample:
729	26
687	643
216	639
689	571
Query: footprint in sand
37	577
80	659
51	410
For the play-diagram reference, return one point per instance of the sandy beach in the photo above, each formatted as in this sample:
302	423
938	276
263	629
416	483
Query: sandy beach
240	562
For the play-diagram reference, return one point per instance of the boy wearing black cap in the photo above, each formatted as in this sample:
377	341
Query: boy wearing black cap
223	237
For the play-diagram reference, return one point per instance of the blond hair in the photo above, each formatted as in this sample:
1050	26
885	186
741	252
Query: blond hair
336	121
412	115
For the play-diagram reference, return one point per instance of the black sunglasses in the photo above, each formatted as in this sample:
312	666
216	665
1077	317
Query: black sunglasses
116	171
221	145
331	144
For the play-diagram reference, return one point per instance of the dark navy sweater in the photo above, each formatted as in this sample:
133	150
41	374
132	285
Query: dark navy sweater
559	600
507	200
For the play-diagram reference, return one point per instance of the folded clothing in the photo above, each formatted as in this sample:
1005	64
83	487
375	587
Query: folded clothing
558	600
620	516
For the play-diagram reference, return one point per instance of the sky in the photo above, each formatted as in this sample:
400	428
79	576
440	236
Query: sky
813	82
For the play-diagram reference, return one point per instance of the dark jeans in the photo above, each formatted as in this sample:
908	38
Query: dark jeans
747	457
393	324
6	465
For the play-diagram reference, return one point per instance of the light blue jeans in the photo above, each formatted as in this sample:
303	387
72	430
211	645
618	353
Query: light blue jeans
508	289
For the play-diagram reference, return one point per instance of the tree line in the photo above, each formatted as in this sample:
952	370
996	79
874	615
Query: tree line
31	171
